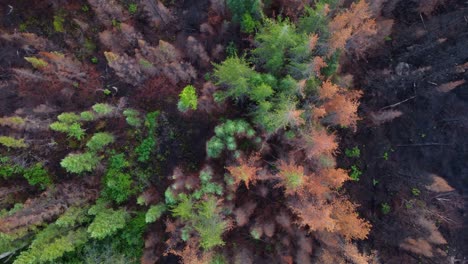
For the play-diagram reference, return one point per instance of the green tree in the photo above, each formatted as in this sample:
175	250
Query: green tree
188	99
10	142
155	212
280	46
37	175
100	140
106	221
103	109
79	163
235	73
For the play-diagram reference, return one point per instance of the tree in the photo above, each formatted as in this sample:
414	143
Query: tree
103	109
292	177
10	142
316	141
80	162
246	171
348	222
155	212
234	73
342	109
188	99
280	45
106	221
100	140
37	175
355	22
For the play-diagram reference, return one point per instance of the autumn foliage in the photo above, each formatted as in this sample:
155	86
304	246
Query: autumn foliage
246	171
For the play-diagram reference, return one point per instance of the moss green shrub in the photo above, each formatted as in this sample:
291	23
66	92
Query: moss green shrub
132	117
37	175
87	116
11	142
68	118
103	109
99	141
187	99
36	62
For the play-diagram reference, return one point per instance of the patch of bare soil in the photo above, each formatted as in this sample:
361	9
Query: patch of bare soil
415	126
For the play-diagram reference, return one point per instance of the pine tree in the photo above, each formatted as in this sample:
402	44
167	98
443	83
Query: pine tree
80	162
246	171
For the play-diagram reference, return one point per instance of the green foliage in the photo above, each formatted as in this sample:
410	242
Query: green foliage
188	99
145	149
169	197
36	62
240	7
12	121
248	23
132	117
209	225
132	8
231	50
72	217
10	142
218	259
118	183
225	136
355	173
99	141
87	116
103	109
59	127
155	212
147	146
207	186
353	153
235	73
415	191
58	23
184	207
79	163
68	118
106	221
130	240
315	20
73	130
332	64
280	46
385	208
37	175
52	243
97	252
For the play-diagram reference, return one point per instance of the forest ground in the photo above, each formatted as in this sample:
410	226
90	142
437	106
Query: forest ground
430	135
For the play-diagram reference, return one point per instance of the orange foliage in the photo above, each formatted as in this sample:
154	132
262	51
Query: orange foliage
292	177
328	90
354	21
191	253
334	178
313	39
314	215
317	64
316	141
246	171
342	108
348	222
